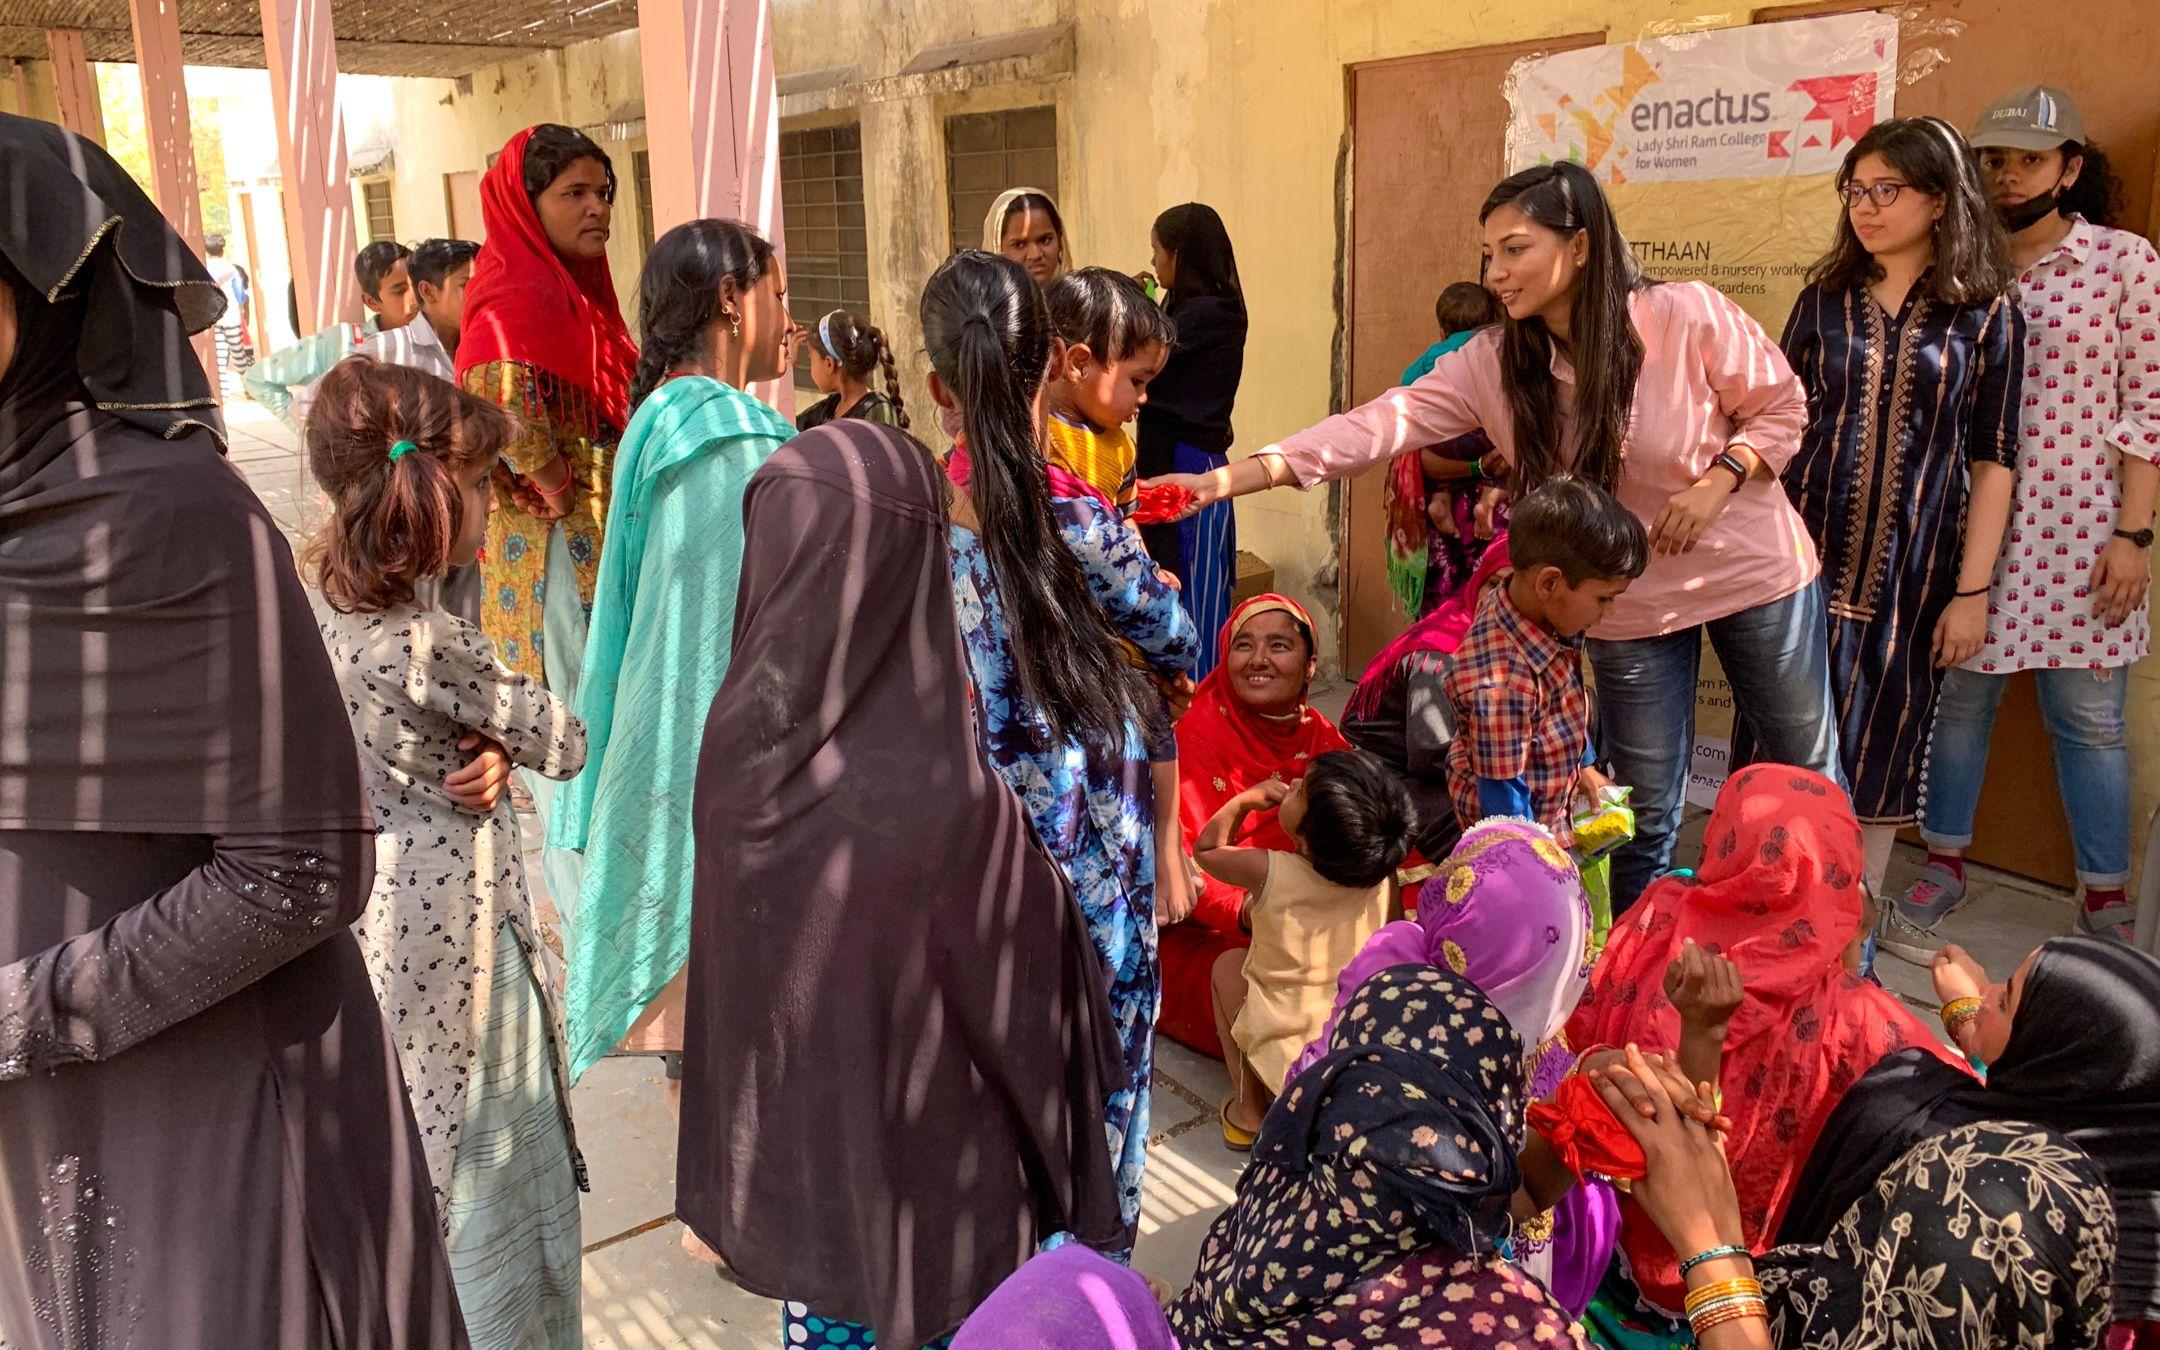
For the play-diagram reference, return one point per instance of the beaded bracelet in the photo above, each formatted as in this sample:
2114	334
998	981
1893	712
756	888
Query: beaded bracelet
1711	1255
1745	1286
1754	1308
1957	1012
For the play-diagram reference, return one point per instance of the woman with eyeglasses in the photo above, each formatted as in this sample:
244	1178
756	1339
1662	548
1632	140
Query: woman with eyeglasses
1911	348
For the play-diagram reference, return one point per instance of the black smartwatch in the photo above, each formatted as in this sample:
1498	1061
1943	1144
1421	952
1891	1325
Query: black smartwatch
1729	460
2142	538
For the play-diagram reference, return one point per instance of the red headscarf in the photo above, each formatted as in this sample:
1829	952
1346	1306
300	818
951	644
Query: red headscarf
1778	893
1224	747
1441	631
526	302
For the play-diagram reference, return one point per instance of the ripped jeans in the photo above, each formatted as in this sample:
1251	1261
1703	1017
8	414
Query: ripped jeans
2083	710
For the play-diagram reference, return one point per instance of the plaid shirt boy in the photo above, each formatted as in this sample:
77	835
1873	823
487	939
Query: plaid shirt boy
1522	715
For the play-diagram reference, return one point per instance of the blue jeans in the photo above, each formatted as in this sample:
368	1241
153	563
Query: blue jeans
1777	659
2083	710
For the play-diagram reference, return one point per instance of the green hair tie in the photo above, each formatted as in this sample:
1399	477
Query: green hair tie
400	450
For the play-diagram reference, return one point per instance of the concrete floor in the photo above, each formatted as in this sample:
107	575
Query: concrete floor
641	1289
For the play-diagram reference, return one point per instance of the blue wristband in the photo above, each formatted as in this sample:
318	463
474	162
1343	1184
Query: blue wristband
1713	1254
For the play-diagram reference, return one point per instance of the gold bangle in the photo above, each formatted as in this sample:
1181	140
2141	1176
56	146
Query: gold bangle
1957	1012
1742	1284
1755	1308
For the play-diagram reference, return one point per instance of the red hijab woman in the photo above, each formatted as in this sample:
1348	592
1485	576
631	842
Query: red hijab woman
544	337
1778	893
1249	722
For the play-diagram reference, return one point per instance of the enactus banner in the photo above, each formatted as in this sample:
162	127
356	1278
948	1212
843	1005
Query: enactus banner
1718	149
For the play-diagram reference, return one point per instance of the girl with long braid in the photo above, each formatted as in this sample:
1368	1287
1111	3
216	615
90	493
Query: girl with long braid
712	310
845	352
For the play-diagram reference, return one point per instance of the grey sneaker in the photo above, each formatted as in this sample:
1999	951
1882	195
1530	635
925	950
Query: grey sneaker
1908	926
2110	921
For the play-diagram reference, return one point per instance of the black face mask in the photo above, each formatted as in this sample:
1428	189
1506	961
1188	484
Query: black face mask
2032	210
2028	212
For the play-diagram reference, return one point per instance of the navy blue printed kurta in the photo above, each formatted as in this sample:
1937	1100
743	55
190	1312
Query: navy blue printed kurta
1899	406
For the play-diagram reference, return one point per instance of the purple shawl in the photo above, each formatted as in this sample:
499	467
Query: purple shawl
1068	1298
1506	911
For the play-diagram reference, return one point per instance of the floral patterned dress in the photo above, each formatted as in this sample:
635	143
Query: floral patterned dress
1092	805
559	419
452	949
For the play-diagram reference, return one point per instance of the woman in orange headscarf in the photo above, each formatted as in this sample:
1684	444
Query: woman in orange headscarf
1777	893
1249	722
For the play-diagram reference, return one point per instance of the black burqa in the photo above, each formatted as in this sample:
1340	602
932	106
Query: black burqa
2083	1060
898	1044
204	1139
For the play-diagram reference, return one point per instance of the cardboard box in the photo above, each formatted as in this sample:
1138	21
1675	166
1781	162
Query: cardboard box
1255	576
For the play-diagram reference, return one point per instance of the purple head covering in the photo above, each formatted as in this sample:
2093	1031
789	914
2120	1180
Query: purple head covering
1068	1298
1507	912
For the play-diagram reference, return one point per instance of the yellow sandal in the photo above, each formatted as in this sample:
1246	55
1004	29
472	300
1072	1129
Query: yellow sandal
1235	1139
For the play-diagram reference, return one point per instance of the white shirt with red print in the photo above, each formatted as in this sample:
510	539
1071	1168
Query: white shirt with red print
2092	394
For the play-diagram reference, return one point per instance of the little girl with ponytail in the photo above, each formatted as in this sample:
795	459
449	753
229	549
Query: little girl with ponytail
844	353
451	942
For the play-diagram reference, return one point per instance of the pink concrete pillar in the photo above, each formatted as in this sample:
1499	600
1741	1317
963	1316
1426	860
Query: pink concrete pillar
170	137
80	111
319	233
713	121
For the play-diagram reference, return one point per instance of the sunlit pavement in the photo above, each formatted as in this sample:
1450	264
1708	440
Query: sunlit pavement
641	1288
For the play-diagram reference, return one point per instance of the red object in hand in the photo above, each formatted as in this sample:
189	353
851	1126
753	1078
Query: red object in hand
1159	504
1586	1134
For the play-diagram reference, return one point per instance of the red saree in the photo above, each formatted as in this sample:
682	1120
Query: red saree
1224	748
1778	892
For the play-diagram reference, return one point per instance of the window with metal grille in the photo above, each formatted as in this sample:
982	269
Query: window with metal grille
828	237
375	198
986	153
641	172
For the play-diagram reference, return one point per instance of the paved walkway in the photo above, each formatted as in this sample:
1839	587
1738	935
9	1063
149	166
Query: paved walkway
642	1290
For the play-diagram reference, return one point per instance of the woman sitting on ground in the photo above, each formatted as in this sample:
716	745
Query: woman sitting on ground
1379	1190
1778	892
1249	723
1996	1233
1508	913
2072	1044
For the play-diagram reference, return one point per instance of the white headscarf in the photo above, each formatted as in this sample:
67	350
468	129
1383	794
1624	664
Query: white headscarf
994	225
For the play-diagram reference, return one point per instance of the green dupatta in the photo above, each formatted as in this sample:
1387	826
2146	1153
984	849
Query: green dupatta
662	629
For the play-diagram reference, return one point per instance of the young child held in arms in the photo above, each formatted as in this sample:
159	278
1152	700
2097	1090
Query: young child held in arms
1309	912
448	935
1522	714
1467	461
1116	340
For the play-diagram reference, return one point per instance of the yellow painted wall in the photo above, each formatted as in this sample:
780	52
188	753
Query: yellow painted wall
1238	103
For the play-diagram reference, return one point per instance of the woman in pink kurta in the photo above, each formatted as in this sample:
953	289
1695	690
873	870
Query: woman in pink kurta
1675	399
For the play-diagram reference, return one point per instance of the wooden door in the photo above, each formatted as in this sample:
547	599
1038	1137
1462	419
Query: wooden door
1966	54
1429	140
461	200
